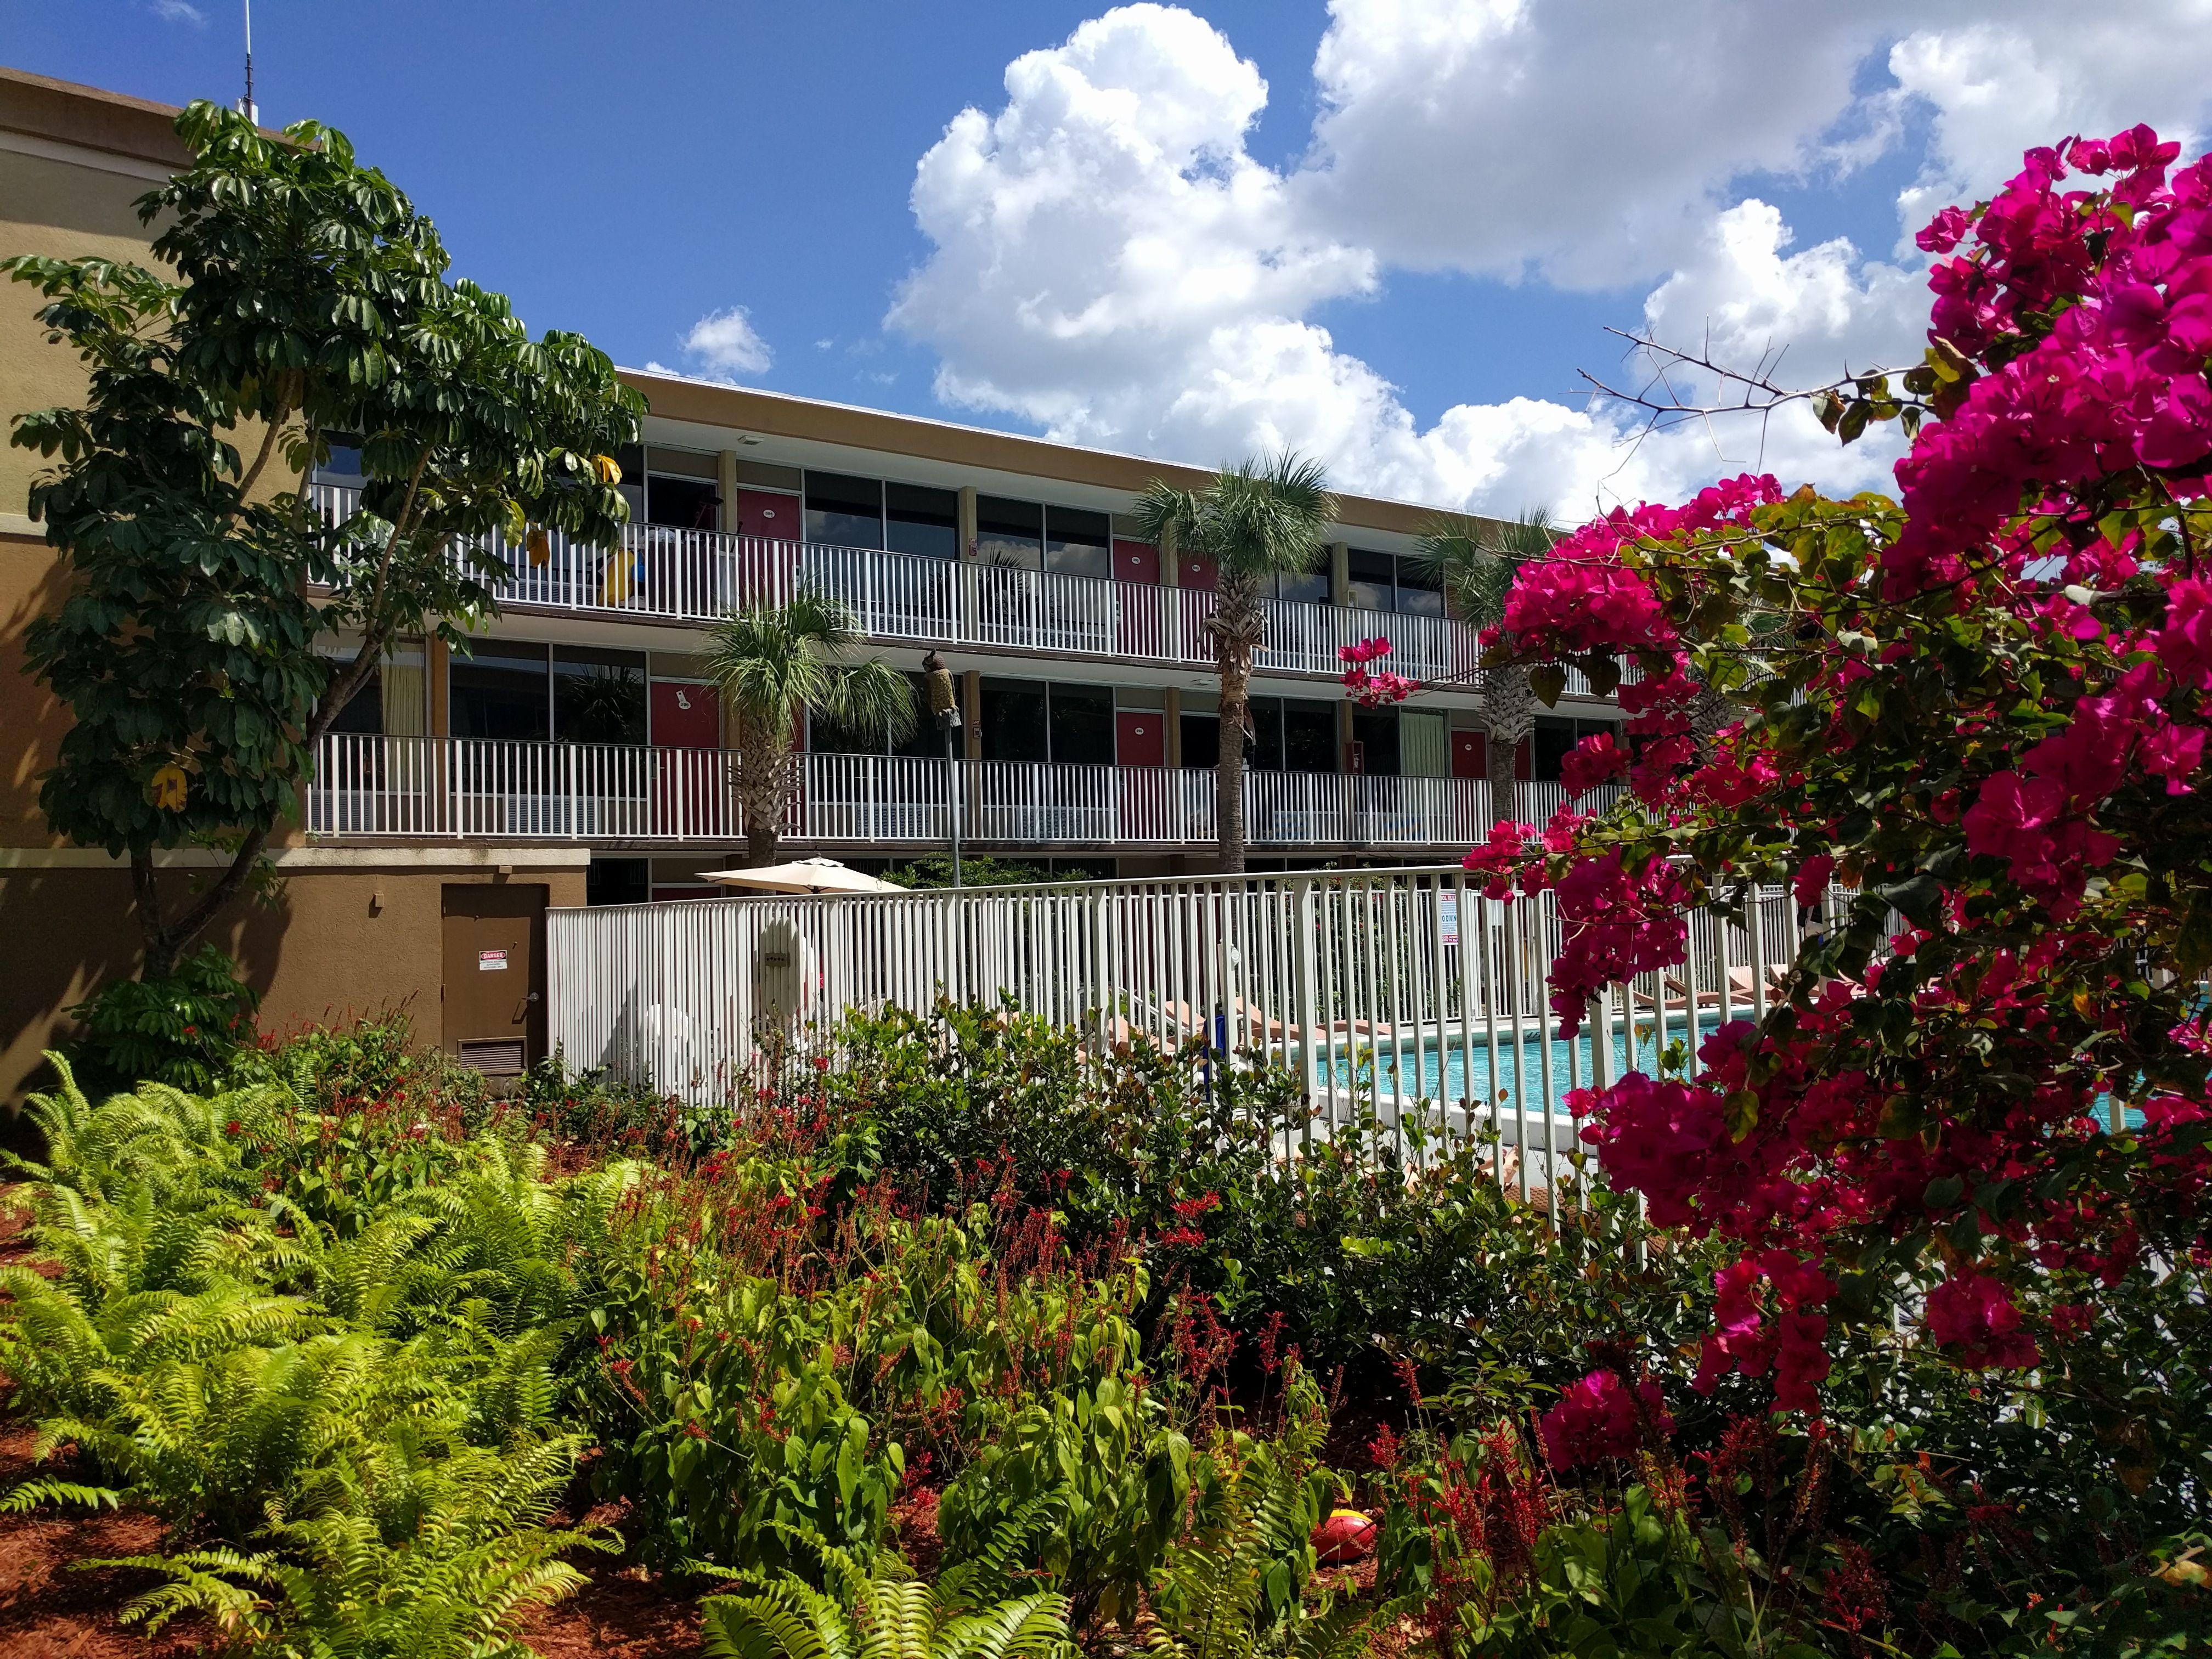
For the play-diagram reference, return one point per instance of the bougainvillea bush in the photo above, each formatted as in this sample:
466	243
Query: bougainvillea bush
1981	707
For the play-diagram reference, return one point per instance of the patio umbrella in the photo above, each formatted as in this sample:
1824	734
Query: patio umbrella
804	876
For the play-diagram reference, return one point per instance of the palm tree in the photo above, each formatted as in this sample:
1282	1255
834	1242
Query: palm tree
776	664
1476	560
1256	521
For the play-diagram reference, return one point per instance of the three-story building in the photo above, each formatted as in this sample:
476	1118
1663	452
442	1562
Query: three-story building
578	753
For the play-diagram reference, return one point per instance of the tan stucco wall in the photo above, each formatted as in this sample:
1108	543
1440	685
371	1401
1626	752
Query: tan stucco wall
66	211
325	950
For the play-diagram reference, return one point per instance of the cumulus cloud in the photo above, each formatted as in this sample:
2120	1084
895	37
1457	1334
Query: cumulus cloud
180	11
1110	263
722	345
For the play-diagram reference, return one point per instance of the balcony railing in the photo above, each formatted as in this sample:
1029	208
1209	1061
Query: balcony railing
697	575
469	787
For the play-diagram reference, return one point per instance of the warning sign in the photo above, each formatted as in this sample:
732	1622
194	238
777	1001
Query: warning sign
491	962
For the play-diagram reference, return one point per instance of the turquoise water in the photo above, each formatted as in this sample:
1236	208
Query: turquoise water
1572	1066
1445	1078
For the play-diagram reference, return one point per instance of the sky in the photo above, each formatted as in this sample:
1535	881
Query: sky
1392	233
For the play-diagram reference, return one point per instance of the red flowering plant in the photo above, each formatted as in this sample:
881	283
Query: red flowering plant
1370	685
1981	709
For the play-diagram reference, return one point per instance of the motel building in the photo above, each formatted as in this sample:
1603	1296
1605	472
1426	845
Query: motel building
577	755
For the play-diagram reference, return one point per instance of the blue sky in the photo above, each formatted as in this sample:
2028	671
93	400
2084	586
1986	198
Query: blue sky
1489	186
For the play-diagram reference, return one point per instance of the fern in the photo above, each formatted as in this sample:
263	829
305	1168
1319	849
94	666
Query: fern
879	1610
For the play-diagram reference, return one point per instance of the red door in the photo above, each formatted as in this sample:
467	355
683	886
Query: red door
1139	608
1201	578
1470	752
765	573
688	783
1524	760
1140	747
1140	738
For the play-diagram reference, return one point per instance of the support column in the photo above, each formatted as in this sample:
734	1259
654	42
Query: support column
967	512
1175	725
971	712
726	485
435	661
1339	572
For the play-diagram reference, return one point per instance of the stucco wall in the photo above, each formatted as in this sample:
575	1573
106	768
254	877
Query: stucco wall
327	946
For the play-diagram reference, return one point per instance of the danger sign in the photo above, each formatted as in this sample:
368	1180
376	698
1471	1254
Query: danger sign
491	962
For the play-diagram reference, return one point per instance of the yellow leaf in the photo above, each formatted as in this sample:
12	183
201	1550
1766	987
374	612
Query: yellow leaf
609	472
540	545
166	789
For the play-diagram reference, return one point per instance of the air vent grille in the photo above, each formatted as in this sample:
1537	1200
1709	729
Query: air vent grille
495	1056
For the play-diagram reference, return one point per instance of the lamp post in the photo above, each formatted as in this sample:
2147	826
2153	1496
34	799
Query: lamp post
945	709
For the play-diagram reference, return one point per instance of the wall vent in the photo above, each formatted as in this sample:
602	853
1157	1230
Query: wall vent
495	1056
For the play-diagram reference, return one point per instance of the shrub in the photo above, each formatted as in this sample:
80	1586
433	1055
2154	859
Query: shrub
182	1029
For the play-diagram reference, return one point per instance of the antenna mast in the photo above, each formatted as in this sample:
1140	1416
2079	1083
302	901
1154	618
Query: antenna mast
246	106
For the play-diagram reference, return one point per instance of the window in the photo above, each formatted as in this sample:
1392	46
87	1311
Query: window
1293	734
1420	593
1009	533
1392	581
1201	739
394	700
1309	735
1376	731
682	503
1079	543
1082	725
344	465
599	697
922	522
1373	580
1014	720
618	881
842	512
499	689
1031	720
1303	586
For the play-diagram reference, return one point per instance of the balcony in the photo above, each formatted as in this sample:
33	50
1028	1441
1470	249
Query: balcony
461	788
700	576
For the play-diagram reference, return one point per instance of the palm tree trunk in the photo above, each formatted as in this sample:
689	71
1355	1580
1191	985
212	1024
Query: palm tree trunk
1508	708
764	792
1229	767
1237	620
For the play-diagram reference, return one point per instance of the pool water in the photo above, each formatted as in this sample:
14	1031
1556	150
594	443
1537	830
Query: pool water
1444	1077
1572	1067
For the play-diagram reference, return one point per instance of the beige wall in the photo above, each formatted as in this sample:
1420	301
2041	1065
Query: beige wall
53	208
326	948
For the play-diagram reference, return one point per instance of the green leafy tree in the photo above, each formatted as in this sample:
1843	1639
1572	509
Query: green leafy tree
1476	560
302	295
776	664
1256	520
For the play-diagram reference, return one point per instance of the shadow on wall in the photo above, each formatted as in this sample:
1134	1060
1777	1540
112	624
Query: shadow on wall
31	718
67	933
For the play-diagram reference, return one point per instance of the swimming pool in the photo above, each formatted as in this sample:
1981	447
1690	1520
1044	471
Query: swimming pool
1444	1076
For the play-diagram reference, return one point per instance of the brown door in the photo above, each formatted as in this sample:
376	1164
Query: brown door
494	983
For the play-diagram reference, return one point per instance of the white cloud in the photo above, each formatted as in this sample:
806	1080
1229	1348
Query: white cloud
1110	263
725	344
180	11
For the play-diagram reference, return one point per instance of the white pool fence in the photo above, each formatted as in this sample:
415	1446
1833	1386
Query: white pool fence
1404	994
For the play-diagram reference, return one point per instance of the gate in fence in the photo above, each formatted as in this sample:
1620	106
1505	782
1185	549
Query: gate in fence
1404	993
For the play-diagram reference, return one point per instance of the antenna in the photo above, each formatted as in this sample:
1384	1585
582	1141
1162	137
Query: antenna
246	106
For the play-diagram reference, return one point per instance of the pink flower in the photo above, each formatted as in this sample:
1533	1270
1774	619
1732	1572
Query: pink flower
1811	880
1975	1315
1592	762
1599	1418
1944	231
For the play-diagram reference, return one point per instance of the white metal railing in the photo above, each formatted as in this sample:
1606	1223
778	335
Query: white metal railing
1403	992
458	787
698	575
